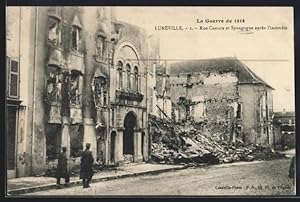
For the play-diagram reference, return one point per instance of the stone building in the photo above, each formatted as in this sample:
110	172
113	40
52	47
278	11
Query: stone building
225	94
18	91
284	130
91	81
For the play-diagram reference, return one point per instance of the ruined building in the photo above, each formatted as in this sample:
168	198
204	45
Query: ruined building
76	75
224	94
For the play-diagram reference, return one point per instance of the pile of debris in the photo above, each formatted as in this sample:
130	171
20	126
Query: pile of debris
209	149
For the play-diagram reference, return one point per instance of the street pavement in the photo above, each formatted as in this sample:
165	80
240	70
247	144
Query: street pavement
254	178
23	185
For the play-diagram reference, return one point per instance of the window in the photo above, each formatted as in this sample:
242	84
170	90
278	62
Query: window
76	32
128	76
113	117
75	90
120	70
136	79
54	84
99	48
53	30
13	77
239	111
100	91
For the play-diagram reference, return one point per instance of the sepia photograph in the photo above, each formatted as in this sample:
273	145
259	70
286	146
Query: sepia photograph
108	101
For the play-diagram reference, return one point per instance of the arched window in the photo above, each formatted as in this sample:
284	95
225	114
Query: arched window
120	71
136	78
128	76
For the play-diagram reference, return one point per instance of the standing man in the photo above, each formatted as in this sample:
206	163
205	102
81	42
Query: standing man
62	167
86	170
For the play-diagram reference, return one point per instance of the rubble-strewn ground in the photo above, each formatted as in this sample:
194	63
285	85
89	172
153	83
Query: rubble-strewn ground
245	178
188	145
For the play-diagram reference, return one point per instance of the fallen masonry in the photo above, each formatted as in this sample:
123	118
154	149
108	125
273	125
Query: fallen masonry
193	146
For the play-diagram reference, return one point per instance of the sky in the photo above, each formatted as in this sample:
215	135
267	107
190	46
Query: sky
269	53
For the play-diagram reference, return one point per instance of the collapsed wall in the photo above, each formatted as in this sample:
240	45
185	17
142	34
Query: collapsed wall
188	145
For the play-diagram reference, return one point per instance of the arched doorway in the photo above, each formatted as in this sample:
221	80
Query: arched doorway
128	135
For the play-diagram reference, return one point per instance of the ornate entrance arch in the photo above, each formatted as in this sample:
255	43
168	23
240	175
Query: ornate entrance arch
130	123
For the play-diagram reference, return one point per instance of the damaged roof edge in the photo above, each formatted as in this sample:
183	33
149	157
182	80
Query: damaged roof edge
256	83
255	77
225	64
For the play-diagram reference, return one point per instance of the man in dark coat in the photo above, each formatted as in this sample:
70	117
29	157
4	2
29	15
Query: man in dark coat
62	167
86	170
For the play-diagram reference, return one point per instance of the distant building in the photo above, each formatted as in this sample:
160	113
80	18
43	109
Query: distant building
284	130
225	94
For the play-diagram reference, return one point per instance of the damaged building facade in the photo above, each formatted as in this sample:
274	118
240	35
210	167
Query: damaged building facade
87	78
222	94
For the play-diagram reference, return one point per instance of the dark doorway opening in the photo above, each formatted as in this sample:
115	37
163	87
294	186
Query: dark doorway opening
76	136
11	136
112	146
128	135
53	140
101	147
143	139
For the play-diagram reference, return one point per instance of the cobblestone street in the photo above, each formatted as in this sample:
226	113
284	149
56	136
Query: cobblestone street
256	178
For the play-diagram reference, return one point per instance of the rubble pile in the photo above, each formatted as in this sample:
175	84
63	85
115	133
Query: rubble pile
209	148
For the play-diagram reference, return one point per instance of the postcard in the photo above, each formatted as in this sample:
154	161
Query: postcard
150	101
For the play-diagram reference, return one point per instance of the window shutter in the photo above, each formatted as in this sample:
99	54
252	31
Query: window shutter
7	75
14	79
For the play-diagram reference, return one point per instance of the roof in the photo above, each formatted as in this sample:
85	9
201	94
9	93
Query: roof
283	114
228	64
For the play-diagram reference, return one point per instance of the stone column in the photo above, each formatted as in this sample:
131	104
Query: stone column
145	148
138	146
90	136
65	135
119	147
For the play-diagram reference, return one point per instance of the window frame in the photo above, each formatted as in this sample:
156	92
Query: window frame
9	73
136	78
78	37
57	18
120	74
128	72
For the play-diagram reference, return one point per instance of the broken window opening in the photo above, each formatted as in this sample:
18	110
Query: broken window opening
54	84
99	48
120	70
76	32
75	90
53	30
100	91
76	139
239	111
136	79
112	116
128	70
